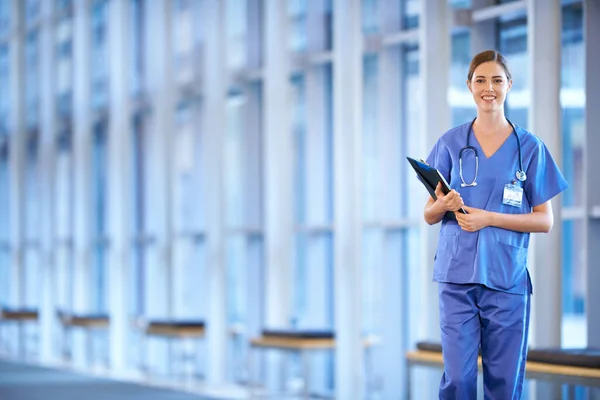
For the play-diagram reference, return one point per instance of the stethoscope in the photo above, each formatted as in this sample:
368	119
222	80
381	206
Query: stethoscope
520	174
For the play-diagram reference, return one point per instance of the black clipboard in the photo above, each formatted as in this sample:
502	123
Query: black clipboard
430	177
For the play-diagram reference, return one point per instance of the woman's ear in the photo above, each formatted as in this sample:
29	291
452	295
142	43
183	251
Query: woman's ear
469	86
509	85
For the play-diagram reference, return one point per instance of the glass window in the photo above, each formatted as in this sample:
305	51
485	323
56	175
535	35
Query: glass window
237	33
184	41
32	10
63	5
136	33
32	188
298	37
99	54
5	11
99	219
512	43
572	96
64	65
138	223
370	16
4	94
411	91
5	285
460	98
32	79
371	150
63	216
243	188
410	14
32	215
312	294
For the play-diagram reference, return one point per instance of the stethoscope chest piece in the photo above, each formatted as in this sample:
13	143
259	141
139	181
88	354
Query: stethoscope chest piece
521	175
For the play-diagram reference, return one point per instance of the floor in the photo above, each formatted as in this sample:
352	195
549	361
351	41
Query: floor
28	382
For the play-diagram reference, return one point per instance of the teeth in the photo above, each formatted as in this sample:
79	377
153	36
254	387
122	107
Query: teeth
488	97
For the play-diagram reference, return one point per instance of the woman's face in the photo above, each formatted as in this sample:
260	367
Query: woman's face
489	86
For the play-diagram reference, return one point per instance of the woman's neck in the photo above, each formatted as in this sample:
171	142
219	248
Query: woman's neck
491	122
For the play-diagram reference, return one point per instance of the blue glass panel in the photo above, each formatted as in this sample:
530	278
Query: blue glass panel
461	101
5	17
298	36
237	33
99	182
372	156
410	128
136	33
63	5
370	16
299	132
573	102
32	78
32	10
99	54
64	62
137	216
4	94
410	13
512	37
574	325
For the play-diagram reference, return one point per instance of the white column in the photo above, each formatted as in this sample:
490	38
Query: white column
391	352
47	146
278	156
214	107
81	171
592	88
434	64
81	155
16	153
347	139
544	43
160	135
119	183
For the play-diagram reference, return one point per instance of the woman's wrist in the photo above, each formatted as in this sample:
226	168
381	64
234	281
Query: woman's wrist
492	218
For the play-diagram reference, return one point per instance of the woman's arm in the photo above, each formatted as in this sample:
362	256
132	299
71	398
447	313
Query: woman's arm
540	219
436	209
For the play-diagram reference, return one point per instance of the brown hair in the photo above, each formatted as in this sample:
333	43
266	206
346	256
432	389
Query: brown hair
487	56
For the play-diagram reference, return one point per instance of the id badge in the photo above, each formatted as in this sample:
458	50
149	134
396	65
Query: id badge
513	195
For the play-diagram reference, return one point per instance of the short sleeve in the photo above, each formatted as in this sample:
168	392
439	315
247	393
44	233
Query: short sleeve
440	159
544	179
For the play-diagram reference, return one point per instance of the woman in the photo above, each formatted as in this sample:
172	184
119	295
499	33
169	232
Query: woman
504	178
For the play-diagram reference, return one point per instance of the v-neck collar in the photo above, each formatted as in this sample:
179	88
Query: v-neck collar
497	150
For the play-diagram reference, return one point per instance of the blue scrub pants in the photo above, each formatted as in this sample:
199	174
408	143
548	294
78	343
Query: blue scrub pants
473	315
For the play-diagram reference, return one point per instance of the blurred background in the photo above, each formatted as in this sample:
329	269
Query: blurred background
241	163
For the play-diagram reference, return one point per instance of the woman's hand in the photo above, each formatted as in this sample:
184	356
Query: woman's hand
474	220
451	201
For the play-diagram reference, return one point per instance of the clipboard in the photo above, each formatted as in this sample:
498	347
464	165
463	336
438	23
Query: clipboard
430	177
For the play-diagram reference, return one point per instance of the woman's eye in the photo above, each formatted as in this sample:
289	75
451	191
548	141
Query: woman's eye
479	80
498	80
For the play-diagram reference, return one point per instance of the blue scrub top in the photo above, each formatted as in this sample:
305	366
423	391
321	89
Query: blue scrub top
494	257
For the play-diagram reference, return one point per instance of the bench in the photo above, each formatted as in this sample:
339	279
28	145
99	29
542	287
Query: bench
170	329
90	323
19	316
573	367
297	341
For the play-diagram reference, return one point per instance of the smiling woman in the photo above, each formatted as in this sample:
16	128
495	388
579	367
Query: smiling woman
484	284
